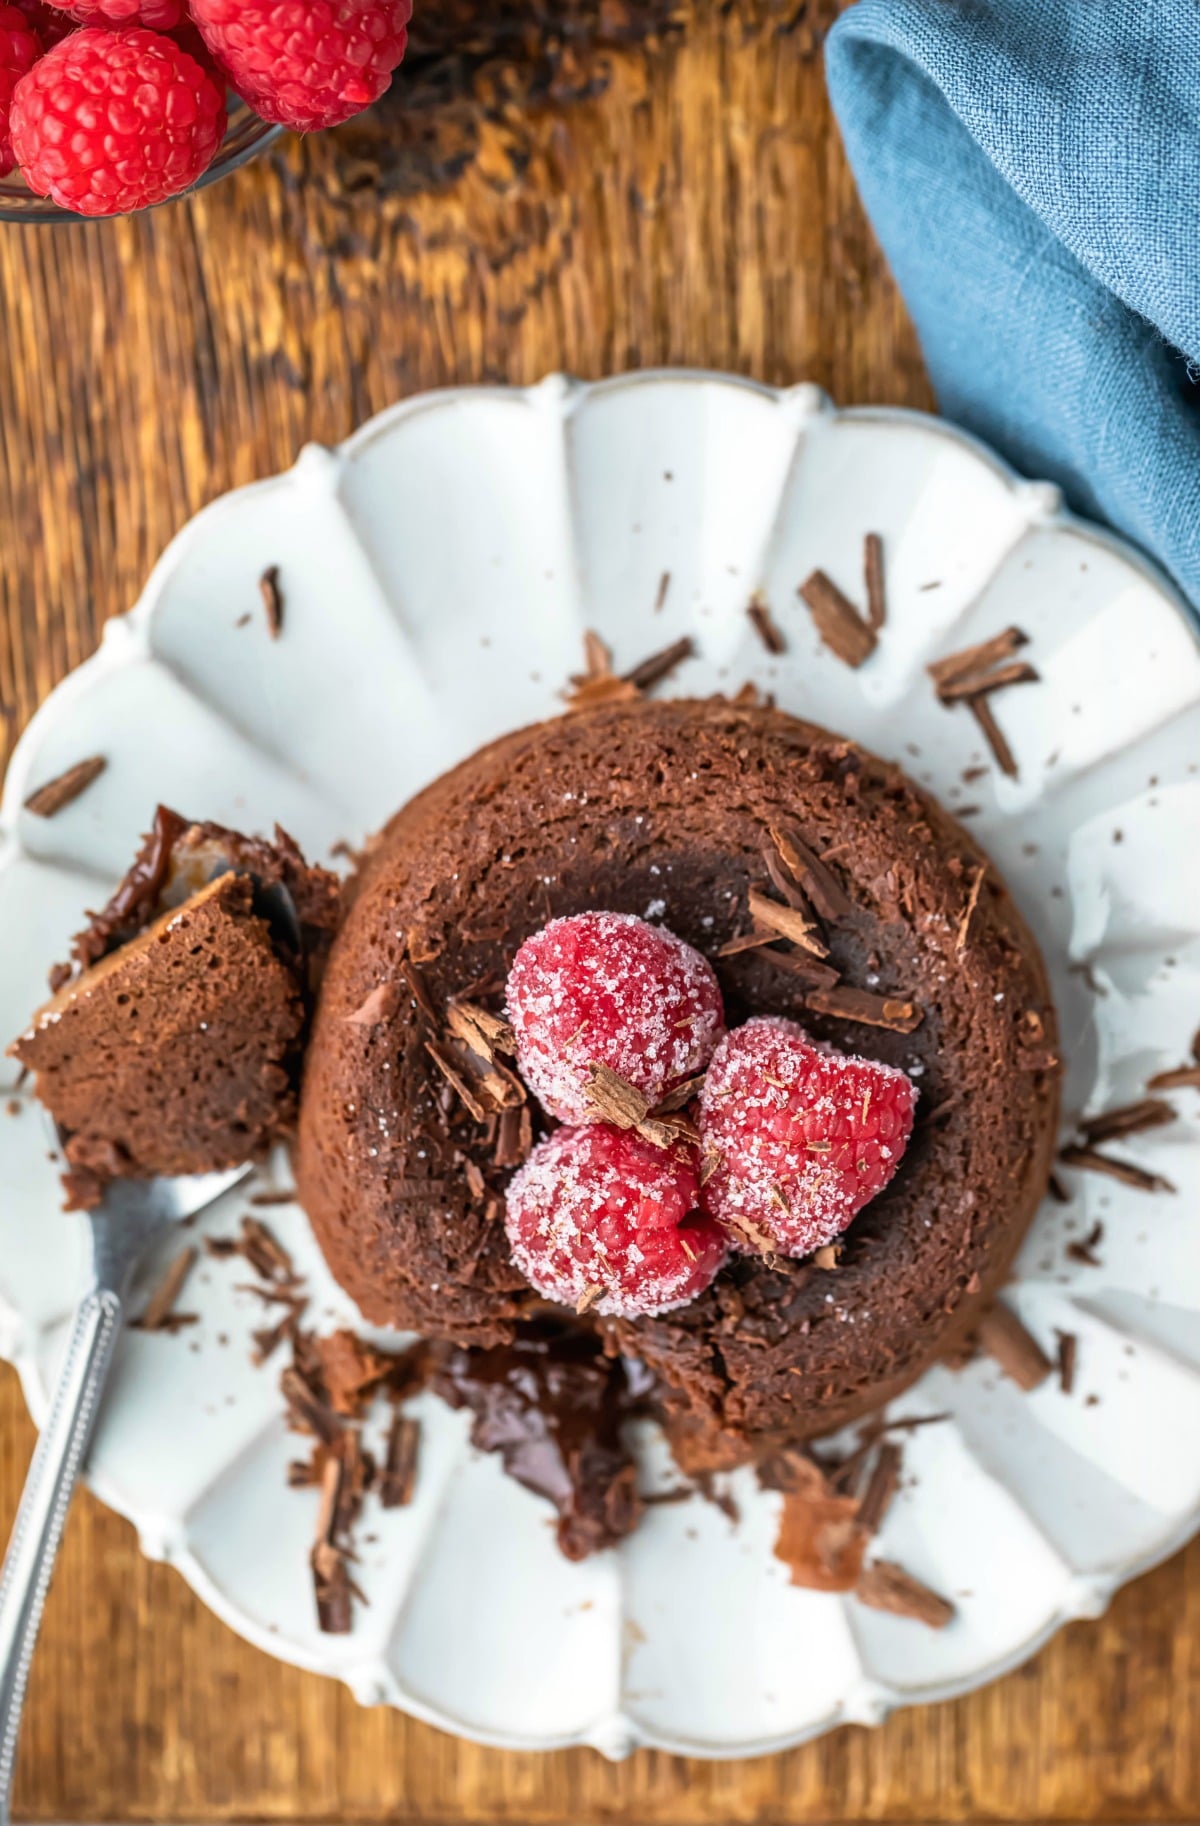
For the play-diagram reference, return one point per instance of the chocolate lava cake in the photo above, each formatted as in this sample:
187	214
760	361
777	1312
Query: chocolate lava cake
701	816
173	1041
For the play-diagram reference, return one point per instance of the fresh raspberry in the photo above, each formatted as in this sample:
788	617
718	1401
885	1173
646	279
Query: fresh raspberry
20	48
158	15
607	989
803	1137
113	121
601	1220
51	25
306	63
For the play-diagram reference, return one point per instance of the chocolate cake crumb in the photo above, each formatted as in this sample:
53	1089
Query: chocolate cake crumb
1018	1354
1068	1352
159	1313
660	665
272	596
66	787
400	1466
837	621
873	580
1129	1119
1082	1249
994	736
765	626
1091	1160
886	1586
664	584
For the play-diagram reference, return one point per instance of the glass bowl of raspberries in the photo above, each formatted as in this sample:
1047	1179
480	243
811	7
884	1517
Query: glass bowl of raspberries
112	106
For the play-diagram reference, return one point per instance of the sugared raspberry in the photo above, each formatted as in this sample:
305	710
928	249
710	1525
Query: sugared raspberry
158	15
608	989
802	1136
603	1221
114	121
306	63
20	48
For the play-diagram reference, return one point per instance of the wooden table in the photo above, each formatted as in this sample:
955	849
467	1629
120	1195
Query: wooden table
619	188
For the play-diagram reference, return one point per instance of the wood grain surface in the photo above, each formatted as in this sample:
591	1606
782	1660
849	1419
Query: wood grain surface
593	186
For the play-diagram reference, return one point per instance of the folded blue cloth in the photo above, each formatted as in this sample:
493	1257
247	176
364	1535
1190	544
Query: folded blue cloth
1032	168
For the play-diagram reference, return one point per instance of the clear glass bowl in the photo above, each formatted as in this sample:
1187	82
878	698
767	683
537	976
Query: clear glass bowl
245	137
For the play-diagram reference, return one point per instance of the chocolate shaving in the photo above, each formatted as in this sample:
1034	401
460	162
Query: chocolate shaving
979	658
786	922
873	580
351	1370
1180	1078
267	1340
664	584
485	1033
309	1412
599	684
821	1540
58	793
1082	1249
265	1253
749	941
400	1466
331	1581
1090	1160
886	1586
376	1008
680	1097
415	980
814	876
881	1487
982	684
1018	1354
1128	1119
514	1137
846	1004
660	665
765	626
668	1131
272	596
1068	1352
159	1313
281	1195
456	1082
809	970
827	1257
837	621
964	924
617	1101
994	736
1057	1190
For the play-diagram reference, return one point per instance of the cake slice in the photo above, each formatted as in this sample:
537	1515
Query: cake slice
174	1044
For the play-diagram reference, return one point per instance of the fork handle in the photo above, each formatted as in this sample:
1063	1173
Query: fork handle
42	1514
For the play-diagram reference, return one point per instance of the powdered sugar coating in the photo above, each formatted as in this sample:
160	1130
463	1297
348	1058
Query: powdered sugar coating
608	989
805	1136
600	1219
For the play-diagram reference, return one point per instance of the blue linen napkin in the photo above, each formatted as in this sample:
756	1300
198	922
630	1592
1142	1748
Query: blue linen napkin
1032	169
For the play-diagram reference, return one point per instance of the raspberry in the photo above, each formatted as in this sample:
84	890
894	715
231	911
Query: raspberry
306	63
804	1136
158	15
20	48
607	989
51	25
600	1219
114	121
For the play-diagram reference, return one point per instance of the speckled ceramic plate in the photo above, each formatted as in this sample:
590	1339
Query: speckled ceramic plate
439	571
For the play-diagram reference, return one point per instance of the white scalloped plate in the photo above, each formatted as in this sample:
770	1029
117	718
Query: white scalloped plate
439	571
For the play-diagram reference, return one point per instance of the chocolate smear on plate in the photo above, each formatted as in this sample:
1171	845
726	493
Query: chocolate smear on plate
1018	1354
66	787
272	597
837	621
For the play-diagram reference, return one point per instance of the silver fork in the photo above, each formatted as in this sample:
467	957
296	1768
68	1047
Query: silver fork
132	1214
